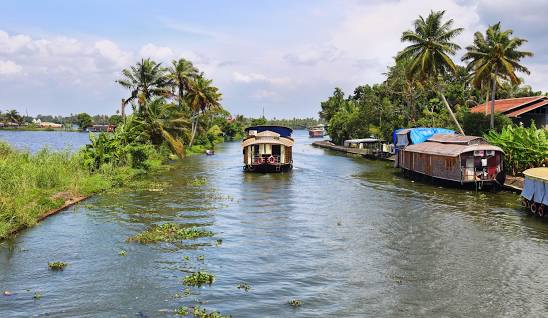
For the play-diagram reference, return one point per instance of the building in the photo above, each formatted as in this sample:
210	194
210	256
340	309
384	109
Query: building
520	110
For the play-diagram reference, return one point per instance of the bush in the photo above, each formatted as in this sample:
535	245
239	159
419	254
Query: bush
478	124
523	148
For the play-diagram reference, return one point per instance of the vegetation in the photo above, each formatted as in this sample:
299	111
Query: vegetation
425	87
524	148
198	279
198	312
83	121
295	303
169	232
57	266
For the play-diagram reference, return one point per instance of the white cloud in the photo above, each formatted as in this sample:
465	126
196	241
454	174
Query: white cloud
111	52
11	44
311	56
9	67
160	53
256	77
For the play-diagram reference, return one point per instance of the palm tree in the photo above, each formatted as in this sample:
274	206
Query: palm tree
145	80
163	122
495	55
181	73
200	97
14	117
429	53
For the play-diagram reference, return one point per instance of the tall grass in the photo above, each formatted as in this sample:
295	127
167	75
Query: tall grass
32	184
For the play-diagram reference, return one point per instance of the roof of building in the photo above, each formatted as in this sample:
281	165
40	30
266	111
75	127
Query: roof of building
354	141
448	149
512	107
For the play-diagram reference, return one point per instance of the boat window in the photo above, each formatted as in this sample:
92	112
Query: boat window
276	150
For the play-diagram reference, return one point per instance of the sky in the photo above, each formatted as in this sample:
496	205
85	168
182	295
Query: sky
283	56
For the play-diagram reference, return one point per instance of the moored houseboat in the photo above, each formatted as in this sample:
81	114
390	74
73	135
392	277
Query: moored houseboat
534	196
317	131
455	158
268	149
373	148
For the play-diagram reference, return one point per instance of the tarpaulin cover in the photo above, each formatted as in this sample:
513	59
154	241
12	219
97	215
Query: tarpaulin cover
528	188
394	135
421	134
545	200
539	191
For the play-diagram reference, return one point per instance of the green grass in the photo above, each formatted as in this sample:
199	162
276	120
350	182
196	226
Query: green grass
33	184
169	232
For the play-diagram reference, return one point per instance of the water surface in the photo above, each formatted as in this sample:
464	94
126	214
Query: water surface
347	236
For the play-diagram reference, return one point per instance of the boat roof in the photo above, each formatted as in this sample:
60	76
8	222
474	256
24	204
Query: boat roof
456	139
283	131
268	139
448	149
363	140
540	173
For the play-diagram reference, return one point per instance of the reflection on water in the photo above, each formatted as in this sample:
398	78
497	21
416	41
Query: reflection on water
347	236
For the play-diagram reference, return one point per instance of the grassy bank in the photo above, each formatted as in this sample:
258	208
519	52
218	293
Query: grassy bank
33	184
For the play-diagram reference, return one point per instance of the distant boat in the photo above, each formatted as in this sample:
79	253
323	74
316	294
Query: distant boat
268	149
317	131
210	152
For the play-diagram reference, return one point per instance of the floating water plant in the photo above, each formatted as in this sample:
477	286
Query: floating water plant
182	311
37	295
169	232
199	181
202	313
295	303
199	279
200	258
122	253
218	242
186	258
244	286
57	266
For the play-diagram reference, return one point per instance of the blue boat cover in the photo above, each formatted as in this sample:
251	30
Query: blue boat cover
539	191
283	131
421	134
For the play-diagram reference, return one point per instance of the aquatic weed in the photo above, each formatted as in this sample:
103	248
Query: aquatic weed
182	311
57	266
218	242
122	253
295	303
198	279
37	295
199	181
169	232
244	286
200	258
202	313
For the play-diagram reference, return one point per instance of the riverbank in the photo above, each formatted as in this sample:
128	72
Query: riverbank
34	186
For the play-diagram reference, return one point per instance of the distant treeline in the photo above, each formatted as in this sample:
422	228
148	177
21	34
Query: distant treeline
294	123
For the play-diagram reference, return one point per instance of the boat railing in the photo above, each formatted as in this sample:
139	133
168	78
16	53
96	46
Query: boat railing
265	158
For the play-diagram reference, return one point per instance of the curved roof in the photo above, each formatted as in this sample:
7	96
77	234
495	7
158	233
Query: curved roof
288	142
283	131
537	173
447	149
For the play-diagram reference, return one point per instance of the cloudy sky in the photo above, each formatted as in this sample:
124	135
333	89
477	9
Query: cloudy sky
61	57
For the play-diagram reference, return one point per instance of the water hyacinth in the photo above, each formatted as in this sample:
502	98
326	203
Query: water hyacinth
198	279
169	232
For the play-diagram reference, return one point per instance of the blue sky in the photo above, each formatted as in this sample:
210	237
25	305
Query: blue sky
61	57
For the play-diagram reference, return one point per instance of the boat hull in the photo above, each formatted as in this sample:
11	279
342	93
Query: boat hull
266	167
315	133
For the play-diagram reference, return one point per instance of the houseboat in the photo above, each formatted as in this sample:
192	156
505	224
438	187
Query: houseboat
317	131
454	158
268	149
372	148
534	196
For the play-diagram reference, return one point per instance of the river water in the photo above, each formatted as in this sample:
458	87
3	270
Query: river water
346	236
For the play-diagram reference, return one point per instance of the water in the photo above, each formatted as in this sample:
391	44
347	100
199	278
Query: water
348	237
36	140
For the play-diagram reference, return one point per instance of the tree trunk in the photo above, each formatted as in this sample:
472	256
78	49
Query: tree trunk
493	93
486	99
193	129
451	112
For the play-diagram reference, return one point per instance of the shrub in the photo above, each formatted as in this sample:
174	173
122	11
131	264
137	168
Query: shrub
478	124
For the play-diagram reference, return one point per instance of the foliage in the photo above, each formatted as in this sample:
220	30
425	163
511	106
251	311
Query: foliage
57	266
523	148
83	121
477	124
169	232
199	279
199	312
295	303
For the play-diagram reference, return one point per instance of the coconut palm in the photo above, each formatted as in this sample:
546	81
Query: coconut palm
430	51
163	122
200	97
181	73
495	56
145	80
13	116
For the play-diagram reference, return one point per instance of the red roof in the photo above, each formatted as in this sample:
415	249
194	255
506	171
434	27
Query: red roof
511	105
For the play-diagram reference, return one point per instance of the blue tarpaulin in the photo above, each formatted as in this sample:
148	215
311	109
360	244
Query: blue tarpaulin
421	134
